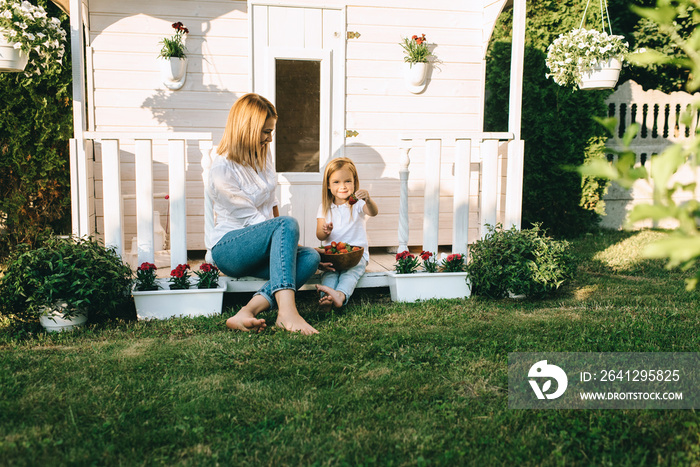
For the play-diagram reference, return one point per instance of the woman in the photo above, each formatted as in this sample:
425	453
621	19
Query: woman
250	238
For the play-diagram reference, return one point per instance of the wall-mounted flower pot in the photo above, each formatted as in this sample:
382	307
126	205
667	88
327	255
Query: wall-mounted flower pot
415	76
11	59
603	75
173	72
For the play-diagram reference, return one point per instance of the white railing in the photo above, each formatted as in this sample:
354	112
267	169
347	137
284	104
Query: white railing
658	114
112	193
464	143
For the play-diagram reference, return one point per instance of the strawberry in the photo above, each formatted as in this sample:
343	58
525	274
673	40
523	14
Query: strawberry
352	199
341	245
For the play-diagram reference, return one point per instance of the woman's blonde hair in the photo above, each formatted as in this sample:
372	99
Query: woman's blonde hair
241	140
334	165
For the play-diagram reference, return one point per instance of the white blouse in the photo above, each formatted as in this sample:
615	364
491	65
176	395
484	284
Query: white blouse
241	196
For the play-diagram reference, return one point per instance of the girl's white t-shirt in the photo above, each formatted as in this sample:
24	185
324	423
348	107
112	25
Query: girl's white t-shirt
345	228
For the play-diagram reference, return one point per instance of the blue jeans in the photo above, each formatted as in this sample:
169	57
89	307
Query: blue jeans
344	281
268	250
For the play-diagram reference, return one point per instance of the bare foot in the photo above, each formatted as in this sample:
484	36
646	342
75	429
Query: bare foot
288	316
325	303
337	298
293	323
245	321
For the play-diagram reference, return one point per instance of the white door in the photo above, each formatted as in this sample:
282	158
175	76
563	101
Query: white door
299	64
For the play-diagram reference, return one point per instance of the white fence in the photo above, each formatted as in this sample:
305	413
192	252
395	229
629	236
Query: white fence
488	145
659	116
495	195
112	191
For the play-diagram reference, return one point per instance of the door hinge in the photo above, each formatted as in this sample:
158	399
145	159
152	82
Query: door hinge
350	133
353	35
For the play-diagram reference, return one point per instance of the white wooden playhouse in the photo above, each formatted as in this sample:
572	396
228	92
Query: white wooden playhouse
334	68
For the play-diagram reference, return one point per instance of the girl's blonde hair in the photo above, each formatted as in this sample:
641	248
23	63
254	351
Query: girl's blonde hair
334	165
241	140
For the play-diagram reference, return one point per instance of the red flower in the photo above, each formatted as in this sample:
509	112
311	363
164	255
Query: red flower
147	267
180	27
180	270
206	267
167	196
404	255
454	257
425	255
414	37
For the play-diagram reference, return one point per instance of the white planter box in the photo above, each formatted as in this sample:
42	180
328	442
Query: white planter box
423	286
166	303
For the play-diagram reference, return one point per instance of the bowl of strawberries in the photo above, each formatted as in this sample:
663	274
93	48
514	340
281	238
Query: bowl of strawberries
341	255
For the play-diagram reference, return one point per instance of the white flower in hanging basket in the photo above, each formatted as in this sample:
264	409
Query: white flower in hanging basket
576	51
31	30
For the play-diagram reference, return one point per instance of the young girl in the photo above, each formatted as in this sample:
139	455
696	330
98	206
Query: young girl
341	218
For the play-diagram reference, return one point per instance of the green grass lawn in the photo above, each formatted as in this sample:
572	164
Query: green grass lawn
383	383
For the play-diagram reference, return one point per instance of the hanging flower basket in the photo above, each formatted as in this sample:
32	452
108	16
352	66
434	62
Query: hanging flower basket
37	39
588	58
602	75
12	59
573	54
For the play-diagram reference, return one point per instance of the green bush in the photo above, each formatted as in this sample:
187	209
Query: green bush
518	261
36	123
80	271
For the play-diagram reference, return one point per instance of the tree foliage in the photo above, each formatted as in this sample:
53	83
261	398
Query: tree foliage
557	124
35	126
682	247
556	128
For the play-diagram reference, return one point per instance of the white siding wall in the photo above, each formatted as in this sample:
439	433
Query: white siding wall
129	95
379	106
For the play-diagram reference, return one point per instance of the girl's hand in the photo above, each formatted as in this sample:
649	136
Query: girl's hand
362	194
327	228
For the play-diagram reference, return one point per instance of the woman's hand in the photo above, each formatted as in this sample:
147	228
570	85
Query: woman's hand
326	267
